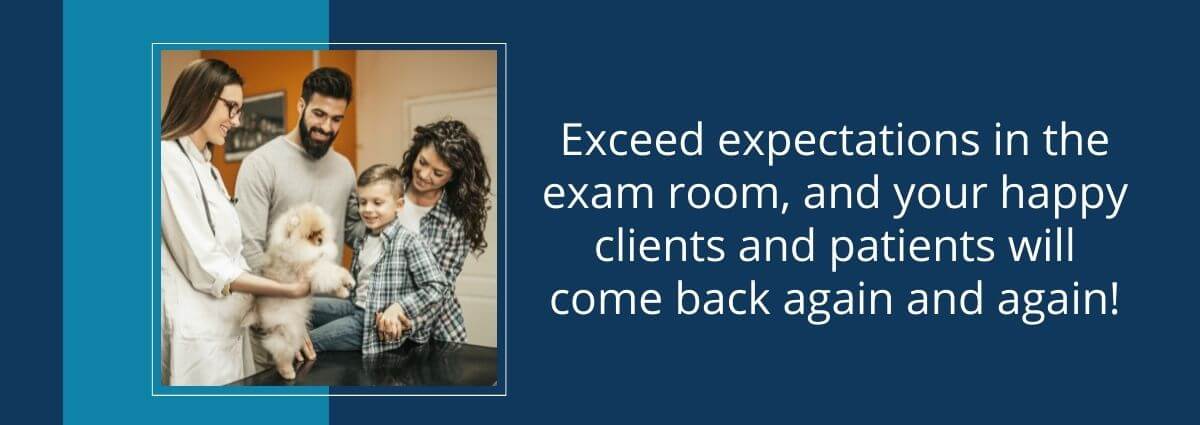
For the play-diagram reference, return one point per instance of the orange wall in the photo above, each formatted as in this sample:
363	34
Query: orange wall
267	72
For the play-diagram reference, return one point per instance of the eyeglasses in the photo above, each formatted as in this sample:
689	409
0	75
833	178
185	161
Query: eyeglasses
235	110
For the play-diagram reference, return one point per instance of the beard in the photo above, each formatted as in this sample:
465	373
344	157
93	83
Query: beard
315	149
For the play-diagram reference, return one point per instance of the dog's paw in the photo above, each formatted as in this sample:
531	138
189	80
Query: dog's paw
346	284
328	278
288	373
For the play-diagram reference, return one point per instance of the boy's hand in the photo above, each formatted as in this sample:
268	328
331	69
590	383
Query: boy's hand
392	323
388	329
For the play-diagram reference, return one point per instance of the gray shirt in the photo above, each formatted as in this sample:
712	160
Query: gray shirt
280	175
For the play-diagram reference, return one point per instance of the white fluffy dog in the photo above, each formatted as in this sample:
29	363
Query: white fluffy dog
301	247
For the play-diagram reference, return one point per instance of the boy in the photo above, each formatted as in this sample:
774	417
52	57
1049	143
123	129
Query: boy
399	285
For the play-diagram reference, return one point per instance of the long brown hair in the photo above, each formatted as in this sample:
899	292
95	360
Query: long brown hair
470	186
195	95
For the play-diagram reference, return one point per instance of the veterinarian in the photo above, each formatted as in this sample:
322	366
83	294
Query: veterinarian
296	168
205	279
446	201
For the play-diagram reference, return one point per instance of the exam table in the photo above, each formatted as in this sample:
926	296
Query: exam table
430	364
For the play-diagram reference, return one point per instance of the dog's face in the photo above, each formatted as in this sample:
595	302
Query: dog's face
305	232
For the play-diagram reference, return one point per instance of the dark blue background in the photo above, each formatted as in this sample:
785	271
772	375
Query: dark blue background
32	87
1128	71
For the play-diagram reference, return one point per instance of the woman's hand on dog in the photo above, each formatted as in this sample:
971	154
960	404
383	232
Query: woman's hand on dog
257	285
298	289
302	288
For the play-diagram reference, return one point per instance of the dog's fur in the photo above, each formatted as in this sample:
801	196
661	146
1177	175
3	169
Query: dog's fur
301	247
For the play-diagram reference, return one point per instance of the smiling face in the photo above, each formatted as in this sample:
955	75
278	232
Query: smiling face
378	204
320	120
430	172
219	122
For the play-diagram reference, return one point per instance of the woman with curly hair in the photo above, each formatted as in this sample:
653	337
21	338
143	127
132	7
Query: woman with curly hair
446	201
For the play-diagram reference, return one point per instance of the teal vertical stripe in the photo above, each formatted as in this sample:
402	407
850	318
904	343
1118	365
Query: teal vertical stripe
110	228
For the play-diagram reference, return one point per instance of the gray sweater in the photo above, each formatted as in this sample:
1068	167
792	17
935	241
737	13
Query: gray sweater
280	175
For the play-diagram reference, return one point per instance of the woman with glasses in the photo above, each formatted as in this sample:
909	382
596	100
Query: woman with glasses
206	286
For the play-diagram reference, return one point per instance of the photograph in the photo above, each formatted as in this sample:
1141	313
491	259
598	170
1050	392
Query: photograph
328	218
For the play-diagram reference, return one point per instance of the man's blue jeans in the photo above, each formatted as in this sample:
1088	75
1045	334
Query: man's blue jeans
337	325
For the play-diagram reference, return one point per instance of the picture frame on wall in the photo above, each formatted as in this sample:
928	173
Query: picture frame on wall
262	120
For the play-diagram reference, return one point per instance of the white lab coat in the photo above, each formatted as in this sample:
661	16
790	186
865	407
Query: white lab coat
203	340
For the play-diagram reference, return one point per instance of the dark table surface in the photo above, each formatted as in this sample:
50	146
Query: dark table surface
430	364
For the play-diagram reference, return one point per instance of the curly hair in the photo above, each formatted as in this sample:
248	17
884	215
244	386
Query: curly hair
469	189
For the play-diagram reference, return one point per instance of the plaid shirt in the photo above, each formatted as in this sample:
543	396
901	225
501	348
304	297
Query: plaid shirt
443	233
406	274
